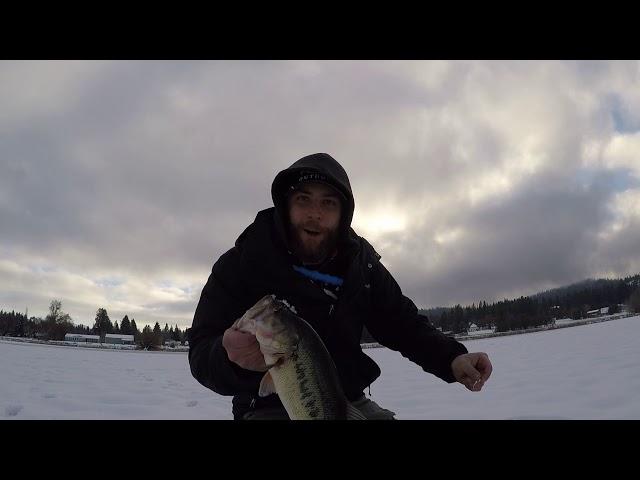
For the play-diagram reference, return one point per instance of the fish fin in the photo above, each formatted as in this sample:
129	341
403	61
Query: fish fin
271	360
267	387
353	413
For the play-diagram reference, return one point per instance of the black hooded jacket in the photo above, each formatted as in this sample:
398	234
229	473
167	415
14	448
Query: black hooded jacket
260	263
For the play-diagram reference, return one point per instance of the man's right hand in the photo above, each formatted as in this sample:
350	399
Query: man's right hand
244	350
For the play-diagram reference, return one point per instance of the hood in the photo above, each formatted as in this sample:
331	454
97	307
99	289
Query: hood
331	172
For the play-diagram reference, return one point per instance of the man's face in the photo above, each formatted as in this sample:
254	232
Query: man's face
314	214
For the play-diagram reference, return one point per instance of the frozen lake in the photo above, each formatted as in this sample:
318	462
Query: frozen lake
582	372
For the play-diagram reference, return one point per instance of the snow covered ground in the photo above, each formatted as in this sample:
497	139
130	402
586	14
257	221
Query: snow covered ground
583	372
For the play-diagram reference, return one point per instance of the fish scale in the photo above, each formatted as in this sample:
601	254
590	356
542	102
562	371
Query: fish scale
307	387
301	371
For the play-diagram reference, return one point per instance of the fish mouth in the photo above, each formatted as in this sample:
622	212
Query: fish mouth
273	334
267	305
266	319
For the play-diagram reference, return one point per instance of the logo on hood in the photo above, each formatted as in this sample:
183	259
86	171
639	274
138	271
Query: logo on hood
311	176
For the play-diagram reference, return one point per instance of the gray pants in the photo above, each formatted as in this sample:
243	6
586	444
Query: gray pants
367	407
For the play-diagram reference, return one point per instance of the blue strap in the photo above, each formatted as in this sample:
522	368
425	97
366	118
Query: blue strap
323	277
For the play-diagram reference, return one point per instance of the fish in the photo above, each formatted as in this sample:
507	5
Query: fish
300	369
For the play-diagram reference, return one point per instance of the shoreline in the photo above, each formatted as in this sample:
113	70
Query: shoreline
185	349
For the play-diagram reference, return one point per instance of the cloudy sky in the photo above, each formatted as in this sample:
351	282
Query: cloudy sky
122	182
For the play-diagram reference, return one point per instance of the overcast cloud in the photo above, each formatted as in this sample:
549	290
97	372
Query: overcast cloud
122	182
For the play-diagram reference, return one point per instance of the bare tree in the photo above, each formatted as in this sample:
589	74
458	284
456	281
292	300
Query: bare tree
57	323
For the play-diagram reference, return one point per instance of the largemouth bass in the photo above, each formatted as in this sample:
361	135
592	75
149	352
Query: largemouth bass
301	370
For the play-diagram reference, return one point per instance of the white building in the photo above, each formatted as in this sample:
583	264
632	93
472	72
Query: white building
119	339
598	312
77	337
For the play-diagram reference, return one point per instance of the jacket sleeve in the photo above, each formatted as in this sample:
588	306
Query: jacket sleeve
396	324
217	309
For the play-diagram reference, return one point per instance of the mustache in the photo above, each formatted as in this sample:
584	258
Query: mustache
313	227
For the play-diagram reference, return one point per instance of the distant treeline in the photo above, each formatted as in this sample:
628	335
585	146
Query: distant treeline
573	301
57	324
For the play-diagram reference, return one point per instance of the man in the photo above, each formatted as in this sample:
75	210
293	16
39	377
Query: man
303	250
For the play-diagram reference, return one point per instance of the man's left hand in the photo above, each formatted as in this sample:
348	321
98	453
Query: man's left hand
472	370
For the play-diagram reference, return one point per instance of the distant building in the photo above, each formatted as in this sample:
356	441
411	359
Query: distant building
112	338
77	337
473	327
598	312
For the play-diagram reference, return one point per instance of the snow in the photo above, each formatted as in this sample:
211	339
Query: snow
583	372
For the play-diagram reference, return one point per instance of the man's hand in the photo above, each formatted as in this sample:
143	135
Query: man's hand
472	370
243	349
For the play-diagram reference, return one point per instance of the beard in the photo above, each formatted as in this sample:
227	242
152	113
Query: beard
311	251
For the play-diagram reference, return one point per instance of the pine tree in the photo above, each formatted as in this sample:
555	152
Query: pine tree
459	323
177	335
134	330
157	332
125	326
634	301
102	324
150	339
116	328
445	322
